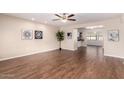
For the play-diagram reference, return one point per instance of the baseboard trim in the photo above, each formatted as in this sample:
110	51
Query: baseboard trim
28	54
68	49
114	56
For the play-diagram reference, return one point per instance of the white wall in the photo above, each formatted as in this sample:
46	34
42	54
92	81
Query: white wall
115	48
68	43
11	44
110	48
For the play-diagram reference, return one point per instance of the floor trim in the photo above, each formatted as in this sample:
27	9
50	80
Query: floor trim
68	49
114	56
3	59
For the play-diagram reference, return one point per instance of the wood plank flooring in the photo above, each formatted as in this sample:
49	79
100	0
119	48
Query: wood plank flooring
85	63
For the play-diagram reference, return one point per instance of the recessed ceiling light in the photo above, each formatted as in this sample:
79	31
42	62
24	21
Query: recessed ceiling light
32	19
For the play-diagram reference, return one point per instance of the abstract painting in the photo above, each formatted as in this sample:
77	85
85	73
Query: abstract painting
27	34
69	35
113	35
38	34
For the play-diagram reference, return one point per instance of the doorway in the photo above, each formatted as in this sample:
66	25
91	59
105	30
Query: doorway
90	37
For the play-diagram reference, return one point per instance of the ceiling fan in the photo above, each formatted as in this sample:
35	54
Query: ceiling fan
64	17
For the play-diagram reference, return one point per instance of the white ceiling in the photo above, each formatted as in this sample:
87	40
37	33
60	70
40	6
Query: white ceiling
46	18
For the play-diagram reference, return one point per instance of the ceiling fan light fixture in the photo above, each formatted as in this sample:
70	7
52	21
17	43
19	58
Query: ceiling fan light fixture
64	20
64	17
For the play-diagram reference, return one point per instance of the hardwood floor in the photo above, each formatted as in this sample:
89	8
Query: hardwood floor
88	63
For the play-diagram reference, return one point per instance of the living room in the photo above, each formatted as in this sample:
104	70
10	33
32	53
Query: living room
23	38
61	46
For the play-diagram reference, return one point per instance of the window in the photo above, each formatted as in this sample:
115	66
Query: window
94	36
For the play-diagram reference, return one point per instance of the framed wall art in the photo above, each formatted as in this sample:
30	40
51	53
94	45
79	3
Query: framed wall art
113	35
69	35
27	34
38	34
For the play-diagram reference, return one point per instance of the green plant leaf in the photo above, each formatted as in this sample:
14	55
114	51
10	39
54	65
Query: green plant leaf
60	35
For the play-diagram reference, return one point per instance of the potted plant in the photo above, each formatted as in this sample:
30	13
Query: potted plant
60	37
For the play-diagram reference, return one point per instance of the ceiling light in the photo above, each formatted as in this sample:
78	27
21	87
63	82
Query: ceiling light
32	19
64	20
94	27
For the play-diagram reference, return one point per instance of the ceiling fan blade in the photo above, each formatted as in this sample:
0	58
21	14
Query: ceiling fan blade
72	19
58	15
71	15
56	19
